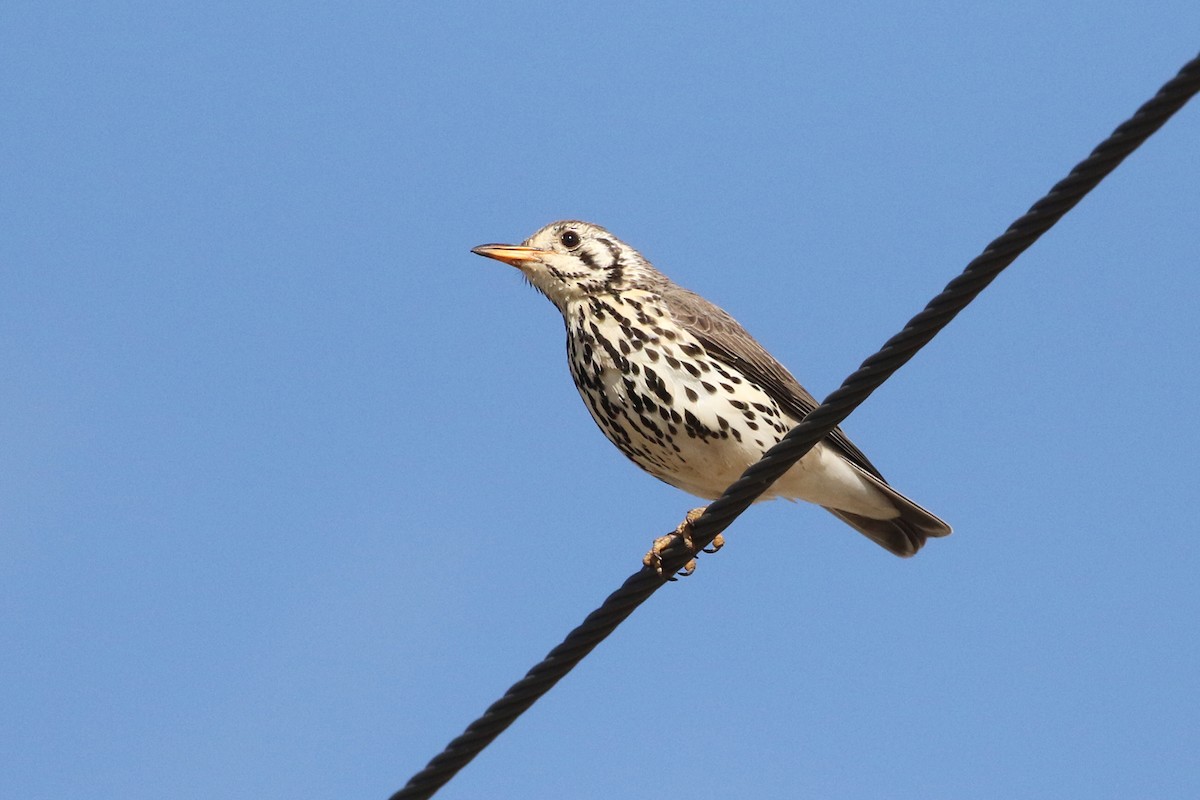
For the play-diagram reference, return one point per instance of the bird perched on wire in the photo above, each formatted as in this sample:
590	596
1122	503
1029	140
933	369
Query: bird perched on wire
686	393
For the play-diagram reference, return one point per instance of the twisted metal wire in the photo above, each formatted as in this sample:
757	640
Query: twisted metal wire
837	406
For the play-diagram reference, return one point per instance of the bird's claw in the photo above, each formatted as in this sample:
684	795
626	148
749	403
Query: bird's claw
682	533
654	559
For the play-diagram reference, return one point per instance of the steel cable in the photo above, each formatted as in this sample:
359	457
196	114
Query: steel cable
837	406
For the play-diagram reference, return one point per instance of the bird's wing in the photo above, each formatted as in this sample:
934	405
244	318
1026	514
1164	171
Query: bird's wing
729	343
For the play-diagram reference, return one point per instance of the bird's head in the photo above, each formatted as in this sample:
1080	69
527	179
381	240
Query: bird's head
572	260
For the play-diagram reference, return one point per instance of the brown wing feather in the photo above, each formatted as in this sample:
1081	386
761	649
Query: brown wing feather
729	343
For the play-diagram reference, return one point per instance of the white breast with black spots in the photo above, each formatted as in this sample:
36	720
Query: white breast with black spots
659	397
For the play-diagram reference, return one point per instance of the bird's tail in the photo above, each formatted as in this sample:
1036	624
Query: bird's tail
903	534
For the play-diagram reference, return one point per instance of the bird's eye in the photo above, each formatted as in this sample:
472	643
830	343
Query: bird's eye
569	239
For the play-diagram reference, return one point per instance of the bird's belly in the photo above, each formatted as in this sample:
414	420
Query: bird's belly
676	413
694	423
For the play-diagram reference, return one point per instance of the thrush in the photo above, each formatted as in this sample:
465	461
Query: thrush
686	393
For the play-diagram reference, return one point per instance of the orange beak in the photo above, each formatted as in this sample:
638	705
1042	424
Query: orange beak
513	254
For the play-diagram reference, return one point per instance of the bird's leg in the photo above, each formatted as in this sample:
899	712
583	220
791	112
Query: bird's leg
682	533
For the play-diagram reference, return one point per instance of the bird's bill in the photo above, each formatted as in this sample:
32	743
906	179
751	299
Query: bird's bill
515	255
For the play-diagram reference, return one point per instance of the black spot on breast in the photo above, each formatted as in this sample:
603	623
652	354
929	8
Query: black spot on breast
653	427
708	387
656	385
618	359
691	394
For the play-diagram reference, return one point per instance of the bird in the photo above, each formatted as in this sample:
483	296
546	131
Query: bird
686	393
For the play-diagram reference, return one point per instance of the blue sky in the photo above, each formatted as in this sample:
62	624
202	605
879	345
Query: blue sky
293	485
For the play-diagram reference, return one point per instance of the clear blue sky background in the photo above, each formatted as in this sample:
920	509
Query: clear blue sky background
292	485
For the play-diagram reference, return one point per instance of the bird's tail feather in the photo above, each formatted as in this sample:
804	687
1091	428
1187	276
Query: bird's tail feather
902	535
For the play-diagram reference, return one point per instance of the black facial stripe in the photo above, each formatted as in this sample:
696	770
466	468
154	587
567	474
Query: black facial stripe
612	248
615	272
565	276
587	258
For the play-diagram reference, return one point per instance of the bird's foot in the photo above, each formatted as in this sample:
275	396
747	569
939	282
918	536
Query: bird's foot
654	558
683	533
